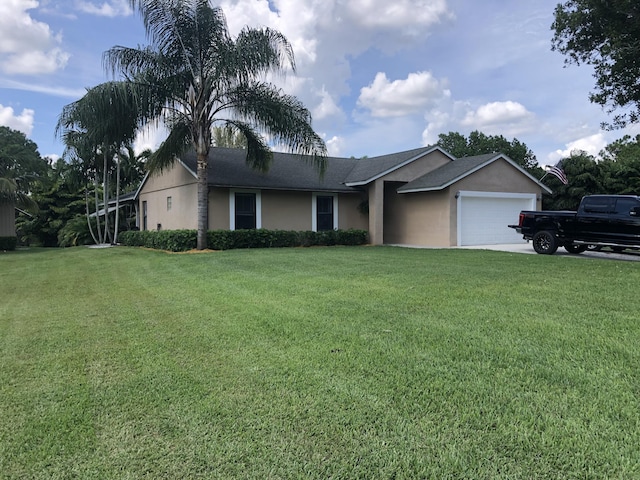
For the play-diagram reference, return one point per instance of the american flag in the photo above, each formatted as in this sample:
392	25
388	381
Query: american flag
559	172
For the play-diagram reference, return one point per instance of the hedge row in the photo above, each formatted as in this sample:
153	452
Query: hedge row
8	243
183	240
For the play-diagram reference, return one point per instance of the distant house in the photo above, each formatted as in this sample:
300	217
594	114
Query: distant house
7	219
422	197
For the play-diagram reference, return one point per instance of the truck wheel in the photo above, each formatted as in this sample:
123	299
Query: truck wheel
575	248
545	242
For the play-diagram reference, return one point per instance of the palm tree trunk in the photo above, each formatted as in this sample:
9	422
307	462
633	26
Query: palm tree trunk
86	204
115	228
95	191
105	197
203	201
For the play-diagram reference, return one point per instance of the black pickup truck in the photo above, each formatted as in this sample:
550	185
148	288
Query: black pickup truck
601	221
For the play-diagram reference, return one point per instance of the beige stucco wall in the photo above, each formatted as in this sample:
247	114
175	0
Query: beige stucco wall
376	212
349	215
418	218
500	176
381	229
7	220
178	184
285	210
218	209
430	218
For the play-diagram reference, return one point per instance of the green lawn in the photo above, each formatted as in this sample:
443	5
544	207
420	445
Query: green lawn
359	362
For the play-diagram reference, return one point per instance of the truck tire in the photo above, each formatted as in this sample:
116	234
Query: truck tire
575	248
545	242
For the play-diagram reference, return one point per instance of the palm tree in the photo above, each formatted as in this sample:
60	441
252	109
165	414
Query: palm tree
133	168
103	121
194	76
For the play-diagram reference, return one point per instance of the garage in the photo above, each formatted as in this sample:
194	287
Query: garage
483	216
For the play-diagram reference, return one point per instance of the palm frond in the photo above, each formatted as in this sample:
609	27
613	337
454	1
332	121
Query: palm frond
176	143
259	155
262	50
282	117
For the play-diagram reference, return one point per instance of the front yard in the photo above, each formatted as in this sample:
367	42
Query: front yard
344	362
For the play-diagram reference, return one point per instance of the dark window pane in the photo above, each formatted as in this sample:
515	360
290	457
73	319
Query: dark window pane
245	211
624	205
324	209
599	205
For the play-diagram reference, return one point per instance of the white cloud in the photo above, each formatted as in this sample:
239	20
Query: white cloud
327	35
402	97
335	146
55	91
508	118
27	46
113	8
327	107
593	145
150	138
402	15
22	122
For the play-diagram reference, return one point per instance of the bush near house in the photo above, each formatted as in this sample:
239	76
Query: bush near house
8	243
183	240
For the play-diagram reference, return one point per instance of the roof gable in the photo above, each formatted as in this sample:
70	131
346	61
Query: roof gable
458	169
367	170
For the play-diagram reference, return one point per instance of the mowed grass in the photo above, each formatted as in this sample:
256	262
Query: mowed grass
364	362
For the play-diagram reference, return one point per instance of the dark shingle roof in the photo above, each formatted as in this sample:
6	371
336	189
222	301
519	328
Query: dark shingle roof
448	173
228	168
368	169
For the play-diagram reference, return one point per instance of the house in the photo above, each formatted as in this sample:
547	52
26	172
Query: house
421	197
7	219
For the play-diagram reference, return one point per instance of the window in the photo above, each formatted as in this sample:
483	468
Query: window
599	205
144	215
325	209
624	205
245	211
169	202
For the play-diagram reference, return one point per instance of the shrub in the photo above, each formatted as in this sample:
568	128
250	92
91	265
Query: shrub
8	243
75	232
172	240
182	240
351	237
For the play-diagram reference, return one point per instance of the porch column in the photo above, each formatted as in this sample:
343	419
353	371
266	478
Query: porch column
376	212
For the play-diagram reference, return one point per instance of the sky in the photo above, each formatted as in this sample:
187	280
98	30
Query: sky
378	77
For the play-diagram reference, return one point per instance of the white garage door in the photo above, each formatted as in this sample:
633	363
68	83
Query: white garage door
483	217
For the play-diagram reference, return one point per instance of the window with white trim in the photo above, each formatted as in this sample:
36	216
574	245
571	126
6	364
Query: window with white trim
245	210
325	212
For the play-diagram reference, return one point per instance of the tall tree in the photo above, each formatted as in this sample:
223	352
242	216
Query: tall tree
620	166
228	137
59	202
479	143
606	35
585	178
20	164
194	75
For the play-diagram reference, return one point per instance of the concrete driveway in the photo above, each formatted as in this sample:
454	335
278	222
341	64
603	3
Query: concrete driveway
629	256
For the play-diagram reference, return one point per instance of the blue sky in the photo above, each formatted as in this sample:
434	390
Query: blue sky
378	76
